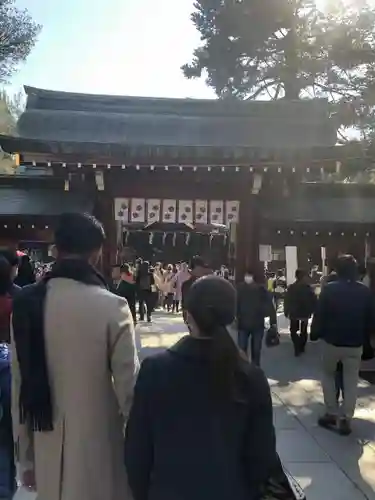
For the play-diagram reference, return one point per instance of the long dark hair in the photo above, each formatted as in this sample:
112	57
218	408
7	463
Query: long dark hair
212	304
26	273
5	276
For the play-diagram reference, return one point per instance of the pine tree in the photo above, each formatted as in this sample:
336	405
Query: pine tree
288	49
18	35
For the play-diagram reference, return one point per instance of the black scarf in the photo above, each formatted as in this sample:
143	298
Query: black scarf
35	401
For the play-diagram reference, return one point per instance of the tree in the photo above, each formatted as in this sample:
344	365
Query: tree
16	102
11	107
18	35
288	48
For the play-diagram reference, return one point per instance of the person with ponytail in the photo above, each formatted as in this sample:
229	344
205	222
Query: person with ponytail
201	422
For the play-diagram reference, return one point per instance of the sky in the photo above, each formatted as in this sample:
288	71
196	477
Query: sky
124	47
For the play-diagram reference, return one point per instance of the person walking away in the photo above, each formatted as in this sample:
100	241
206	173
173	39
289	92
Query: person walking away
182	275
344	318
254	304
127	289
201	403
169	286
339	377
74	365
198	269
299	305
145	288
159	280
26	274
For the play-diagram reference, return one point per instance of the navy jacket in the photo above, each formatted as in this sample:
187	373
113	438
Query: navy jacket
180	446
254	304
300	301
345	314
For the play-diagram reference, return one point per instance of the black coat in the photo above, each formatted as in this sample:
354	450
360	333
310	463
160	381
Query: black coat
180	446
345	314
300	301
185	288
254	303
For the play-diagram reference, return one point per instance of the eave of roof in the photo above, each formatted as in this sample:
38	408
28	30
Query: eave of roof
42	202
353	210
118	154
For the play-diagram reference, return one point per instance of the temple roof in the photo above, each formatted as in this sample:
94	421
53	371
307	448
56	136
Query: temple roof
64	117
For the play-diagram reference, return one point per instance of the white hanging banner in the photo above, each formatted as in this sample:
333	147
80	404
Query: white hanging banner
169	211
265	253
232	211
185	211
137	212
291	257
201	211
121	207
216	212
153	210
323	254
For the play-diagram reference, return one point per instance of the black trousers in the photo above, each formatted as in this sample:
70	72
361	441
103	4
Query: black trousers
176	306
299	325
146	300
132	308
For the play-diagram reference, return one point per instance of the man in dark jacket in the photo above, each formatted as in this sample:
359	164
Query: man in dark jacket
127	289
198	269
254	304
344	319
299	305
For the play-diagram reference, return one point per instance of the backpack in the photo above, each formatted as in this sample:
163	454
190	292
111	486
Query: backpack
145	282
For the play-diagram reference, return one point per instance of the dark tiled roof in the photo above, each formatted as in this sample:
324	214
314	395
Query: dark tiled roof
82	118
340	210
42	202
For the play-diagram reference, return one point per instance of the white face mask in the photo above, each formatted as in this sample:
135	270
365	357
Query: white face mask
249	279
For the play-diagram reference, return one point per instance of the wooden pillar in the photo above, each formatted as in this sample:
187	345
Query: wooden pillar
104	212
248	236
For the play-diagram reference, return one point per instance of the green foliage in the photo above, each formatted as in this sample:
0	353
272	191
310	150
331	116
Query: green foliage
18	35
288	48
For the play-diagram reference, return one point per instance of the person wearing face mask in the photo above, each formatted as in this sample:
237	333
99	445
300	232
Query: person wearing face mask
254	304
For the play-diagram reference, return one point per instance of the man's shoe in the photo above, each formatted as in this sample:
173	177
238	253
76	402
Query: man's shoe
327	421
345	427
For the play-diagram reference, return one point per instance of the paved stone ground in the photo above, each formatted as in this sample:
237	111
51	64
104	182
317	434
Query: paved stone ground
329	467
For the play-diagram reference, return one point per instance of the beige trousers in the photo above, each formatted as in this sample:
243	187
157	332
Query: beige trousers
351	360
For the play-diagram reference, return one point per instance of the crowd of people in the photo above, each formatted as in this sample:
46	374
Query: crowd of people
197	417
343	318
151	286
